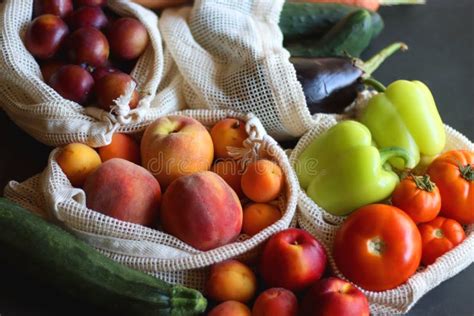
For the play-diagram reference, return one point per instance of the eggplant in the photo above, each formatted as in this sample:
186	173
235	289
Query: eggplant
331	84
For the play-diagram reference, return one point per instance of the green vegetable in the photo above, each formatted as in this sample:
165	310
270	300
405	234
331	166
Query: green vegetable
300	20
341	170
71	265
405	115
350	36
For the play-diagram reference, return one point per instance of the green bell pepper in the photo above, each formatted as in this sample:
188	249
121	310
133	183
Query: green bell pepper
343	171
405	116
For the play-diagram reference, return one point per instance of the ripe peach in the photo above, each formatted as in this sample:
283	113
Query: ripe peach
228	132
230	308
77	161
45	35
231	280
275	301
122	146
262	181
201	210
72	82
174	146
258	216
230	170
125	191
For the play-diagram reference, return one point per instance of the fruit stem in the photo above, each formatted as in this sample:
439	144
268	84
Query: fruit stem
438	233
375	61
376	246
391	152
424	183
377	85
467	172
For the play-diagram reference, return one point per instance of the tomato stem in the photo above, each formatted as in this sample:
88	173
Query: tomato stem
424	183
376	246
467	172
438	233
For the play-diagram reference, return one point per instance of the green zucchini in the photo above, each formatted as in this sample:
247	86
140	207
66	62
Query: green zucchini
350	36
300	20
64	261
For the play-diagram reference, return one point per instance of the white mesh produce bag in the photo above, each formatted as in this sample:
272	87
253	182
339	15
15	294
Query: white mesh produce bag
324	225
51	194
218	54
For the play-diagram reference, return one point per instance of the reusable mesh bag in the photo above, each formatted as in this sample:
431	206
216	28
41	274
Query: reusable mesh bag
324	225
152	251
219	54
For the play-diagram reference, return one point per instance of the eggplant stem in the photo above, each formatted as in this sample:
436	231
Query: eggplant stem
375	61
377	85
397	2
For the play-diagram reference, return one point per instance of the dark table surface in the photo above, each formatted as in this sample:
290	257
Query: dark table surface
440	36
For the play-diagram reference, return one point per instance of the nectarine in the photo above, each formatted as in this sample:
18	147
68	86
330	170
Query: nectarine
122	146
276	301
230	308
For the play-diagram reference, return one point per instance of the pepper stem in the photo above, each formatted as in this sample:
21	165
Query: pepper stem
372	82
375	61
396	2
392	152
467	172
424	183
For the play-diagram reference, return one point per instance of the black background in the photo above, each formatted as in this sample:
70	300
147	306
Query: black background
440	36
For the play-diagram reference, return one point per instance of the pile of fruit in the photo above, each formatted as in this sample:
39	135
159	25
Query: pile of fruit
72	46
180	179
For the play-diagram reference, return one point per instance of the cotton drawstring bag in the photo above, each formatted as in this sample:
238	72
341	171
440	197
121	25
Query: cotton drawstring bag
324	225
152	251
217	54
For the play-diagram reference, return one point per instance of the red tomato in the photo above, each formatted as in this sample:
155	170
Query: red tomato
418	197
438	237
378	247
453	173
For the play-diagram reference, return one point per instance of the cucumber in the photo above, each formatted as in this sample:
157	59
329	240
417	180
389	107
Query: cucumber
64	261
350	36
300	20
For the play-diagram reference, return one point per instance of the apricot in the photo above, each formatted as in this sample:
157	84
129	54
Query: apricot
231	280
122	146
258	216
77	161
262	181
230	170
228	132
275	301
202	210
125	191
230	308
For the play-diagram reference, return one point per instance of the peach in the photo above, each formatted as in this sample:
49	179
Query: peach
230	308
262	181
258	216
77	161
275	301
231	280
202	210
230	170
174	146
122	146
228	132
125	191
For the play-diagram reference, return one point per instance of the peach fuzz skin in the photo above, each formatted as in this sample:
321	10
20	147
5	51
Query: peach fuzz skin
125	191
230	308
174	146
202	210
334	297
229	170
231	280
